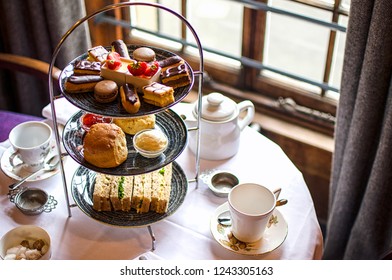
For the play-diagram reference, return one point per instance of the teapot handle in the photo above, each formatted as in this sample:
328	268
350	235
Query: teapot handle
250	108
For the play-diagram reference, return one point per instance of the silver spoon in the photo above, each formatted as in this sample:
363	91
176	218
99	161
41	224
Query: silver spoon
224	218
49	165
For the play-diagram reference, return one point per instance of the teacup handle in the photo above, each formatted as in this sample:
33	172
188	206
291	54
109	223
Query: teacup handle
279	202
12	157
277	193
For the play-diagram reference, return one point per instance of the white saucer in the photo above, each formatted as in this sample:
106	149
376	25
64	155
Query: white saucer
274	235
19	172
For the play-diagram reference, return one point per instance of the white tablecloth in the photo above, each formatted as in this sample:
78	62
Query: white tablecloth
186	234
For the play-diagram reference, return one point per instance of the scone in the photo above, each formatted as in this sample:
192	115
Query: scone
133	125
105	145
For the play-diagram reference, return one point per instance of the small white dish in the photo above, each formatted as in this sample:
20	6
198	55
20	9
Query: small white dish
156	137
19	172
274	235
30	233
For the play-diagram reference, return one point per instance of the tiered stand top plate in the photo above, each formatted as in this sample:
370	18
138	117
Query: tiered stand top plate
86	101
167	121
82	189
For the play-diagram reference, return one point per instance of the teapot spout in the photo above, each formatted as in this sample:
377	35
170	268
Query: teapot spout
184	110
191	124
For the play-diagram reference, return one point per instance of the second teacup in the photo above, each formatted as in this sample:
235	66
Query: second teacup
251	206
31	144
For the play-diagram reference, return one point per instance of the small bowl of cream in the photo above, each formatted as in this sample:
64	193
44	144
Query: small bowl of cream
150	143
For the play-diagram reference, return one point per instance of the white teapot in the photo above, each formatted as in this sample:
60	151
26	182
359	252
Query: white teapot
220	126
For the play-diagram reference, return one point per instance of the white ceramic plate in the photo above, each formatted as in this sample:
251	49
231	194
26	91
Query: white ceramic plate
19	172
274	235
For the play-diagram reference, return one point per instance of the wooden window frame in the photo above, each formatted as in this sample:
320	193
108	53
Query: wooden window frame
247	82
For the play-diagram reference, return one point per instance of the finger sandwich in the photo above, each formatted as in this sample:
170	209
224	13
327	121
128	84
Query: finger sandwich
112	193
141	193
161	188
101	195
121	193
141	197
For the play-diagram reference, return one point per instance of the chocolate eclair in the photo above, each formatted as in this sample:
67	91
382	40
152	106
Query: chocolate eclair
120	47
129	98
79	84
170	61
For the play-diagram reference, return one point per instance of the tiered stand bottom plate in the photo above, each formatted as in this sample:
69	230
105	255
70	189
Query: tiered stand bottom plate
82	189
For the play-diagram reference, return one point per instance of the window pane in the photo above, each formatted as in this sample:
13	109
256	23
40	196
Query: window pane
345	4
218	24
294	45
170	24
157	21
144	17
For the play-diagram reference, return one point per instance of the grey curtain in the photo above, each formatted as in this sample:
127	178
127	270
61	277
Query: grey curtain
33	28
360	212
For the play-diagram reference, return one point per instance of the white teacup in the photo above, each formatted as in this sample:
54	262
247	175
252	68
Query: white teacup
31	143
251	206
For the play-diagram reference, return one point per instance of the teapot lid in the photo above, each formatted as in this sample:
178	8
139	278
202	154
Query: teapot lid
217	107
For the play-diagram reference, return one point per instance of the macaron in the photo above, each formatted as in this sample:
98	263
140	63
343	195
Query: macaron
144	54
105	91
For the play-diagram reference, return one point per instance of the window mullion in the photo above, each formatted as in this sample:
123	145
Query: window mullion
253	41
331	46
184	12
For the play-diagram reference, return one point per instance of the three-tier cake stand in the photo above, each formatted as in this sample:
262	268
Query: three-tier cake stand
84	177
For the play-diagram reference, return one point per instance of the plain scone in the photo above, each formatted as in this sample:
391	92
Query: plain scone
136	124
105	145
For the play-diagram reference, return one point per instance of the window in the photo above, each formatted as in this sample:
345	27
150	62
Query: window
263	50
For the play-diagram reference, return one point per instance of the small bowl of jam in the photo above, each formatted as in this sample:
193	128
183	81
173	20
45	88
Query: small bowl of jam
88	119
